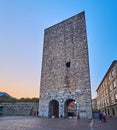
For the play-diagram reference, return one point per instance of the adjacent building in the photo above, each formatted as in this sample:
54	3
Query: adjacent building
107	91
94	104
65	77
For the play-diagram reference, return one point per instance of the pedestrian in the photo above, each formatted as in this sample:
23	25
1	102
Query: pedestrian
100	116
78	116
104	116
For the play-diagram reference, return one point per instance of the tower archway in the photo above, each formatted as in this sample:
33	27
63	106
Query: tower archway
70	108
54	109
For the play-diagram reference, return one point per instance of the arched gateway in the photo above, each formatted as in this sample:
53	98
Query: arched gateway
65	80
54	109
70	108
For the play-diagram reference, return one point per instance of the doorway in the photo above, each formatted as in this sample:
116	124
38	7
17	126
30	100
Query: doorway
53	109
70	108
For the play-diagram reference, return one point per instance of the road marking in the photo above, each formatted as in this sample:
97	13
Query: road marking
91	125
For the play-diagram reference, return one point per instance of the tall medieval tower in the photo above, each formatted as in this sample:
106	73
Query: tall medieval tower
65	76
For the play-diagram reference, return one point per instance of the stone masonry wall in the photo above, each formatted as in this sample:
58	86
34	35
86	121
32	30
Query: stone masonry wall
28	108
65	66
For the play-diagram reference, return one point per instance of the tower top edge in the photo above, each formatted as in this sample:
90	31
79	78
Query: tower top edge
81	14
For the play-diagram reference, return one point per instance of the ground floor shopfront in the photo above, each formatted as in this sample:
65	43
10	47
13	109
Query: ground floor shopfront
110	110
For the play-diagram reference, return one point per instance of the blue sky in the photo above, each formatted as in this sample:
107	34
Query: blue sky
22	24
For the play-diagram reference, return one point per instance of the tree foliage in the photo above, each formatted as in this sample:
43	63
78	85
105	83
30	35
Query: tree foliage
13	100
29	100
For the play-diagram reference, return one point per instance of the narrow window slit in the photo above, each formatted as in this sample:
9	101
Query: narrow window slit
68	64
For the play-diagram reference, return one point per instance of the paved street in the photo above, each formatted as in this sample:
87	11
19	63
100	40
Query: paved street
111	124
35	123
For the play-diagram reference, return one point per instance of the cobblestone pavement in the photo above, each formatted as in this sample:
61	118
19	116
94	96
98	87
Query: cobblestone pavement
111	124
35	123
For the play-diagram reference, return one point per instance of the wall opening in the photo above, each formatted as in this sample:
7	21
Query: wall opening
54	109
70	108
68	64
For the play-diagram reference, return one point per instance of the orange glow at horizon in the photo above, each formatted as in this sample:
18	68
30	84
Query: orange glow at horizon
20	90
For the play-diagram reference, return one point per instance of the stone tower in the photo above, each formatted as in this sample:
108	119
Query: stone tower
65	77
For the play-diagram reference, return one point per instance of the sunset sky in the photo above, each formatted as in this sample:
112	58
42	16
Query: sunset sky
22	24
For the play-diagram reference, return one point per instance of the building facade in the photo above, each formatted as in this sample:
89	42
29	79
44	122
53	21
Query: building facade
94	104
65	76
94	108
107	91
